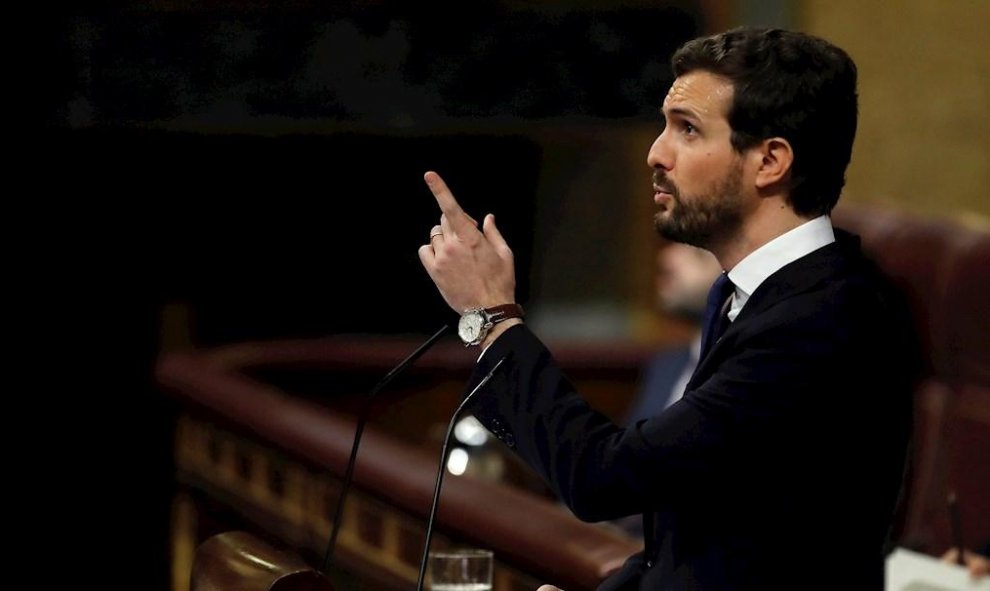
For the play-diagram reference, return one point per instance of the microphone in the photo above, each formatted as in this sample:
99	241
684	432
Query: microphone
362	419
440	472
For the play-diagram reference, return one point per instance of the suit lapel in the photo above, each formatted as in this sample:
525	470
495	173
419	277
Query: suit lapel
792	279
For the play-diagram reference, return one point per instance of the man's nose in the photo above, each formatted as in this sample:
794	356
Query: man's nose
660	155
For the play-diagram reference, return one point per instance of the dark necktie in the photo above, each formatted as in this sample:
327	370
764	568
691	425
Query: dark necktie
716	320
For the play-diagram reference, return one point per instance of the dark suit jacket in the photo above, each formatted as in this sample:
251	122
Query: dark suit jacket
779	468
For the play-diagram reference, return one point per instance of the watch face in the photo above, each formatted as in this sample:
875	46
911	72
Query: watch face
470	325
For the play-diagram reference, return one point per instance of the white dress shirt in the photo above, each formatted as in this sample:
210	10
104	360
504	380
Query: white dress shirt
766	260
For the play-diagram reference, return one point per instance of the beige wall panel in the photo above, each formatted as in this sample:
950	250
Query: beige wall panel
924	136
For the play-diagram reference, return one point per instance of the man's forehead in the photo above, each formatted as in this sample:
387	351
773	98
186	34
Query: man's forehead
701	90
679	91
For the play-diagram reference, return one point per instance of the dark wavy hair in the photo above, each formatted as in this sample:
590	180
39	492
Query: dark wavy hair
790	85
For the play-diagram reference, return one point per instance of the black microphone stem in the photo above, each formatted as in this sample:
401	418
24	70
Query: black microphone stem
443	468
365	410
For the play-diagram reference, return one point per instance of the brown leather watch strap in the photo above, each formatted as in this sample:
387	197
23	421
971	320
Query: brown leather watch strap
497	314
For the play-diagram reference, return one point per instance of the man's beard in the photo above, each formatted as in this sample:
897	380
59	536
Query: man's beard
702	219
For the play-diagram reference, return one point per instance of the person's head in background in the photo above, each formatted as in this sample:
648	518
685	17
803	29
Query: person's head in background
684	275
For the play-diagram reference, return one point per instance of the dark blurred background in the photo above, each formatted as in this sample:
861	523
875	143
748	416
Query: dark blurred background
262	167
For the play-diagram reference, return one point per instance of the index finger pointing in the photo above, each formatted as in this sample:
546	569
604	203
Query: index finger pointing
445	199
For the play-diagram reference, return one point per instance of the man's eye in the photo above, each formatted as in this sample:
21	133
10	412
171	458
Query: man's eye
690	129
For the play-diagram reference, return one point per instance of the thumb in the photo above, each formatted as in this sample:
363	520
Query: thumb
495	237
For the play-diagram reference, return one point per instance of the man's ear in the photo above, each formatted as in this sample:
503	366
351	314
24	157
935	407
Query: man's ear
775	160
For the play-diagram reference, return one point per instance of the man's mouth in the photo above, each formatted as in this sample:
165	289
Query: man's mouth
661	194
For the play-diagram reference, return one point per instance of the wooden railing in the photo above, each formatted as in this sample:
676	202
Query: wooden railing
252	455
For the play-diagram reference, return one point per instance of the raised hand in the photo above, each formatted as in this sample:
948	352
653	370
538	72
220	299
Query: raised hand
472	268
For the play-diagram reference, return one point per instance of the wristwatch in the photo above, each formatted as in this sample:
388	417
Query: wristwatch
476	322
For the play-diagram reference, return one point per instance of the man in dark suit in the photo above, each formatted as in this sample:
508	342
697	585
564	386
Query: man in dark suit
780	466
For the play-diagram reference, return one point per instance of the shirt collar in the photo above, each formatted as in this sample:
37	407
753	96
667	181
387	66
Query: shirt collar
766	260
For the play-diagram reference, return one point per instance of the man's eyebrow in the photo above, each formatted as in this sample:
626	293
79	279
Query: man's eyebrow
681	112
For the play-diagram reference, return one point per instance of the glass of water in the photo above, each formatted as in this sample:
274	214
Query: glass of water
461	570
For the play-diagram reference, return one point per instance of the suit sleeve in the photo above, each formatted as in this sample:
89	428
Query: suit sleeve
725	431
